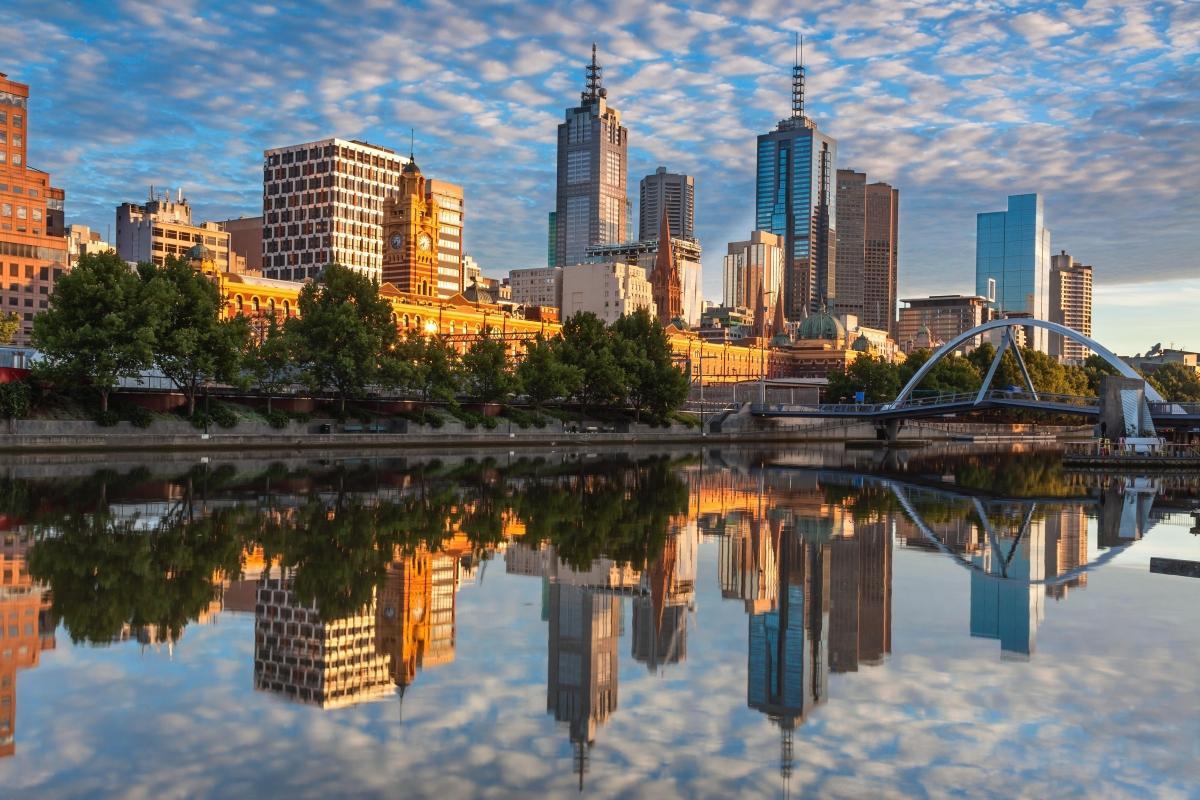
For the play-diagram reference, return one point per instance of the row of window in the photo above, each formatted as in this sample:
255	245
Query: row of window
4	187
17	139
16	157
43	273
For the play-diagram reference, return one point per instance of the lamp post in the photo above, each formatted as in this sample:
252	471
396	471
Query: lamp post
702	431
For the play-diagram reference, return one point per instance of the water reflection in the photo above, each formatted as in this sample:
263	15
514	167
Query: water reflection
352	571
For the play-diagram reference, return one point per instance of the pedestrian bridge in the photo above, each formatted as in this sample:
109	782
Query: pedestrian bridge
905	406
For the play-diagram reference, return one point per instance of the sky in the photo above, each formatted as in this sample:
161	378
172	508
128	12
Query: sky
958	103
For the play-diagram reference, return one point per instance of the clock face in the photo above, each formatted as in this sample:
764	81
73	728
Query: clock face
424	242
397	240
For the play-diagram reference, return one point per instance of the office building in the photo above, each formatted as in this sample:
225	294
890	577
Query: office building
672	193
795	198
323	203
552	240
753	269
539	286
163	227
1070	305
448	199
82	241
942	317
868	223
686	256
245	243
592	198
1012	262
610	290
410	235
1158	356
33	244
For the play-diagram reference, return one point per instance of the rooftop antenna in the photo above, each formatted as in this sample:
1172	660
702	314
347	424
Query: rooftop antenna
595	77
798	79
411	145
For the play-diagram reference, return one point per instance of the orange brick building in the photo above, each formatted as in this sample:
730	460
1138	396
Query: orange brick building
33	243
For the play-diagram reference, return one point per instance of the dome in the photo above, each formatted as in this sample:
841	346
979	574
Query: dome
199	252
821	325
781	339
411	167
862	344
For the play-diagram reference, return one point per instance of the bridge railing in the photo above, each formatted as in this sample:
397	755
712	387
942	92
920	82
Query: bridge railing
1190	409
1108	447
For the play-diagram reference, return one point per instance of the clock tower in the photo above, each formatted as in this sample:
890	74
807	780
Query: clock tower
410	236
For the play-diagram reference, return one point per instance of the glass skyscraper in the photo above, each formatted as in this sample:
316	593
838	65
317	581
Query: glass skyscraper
1012	249
795	199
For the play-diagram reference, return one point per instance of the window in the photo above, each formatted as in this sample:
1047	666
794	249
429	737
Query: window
22	212
16	159
18	121
6	210
18	141
612	168
579	167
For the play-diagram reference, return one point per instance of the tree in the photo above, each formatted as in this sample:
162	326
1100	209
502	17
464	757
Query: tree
588	347
99	327
543	374
643	351
952	375
14	401
878	380
10	323
440	370
1095	368
486	370
193	344
1176	382
344	333
270	361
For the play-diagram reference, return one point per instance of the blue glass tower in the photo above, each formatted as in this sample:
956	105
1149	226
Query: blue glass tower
794	198
1012	249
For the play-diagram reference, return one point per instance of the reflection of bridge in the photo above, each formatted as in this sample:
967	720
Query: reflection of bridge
1028	398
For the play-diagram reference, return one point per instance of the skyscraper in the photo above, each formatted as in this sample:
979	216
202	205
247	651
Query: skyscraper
1012	262
795	199
451	275
672	192
868	228
1070	305
592	203
33	244
752	268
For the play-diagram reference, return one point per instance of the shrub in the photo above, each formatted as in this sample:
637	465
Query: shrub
140	417
224	416
107	419
201	420
490	422
14	399
434	419
278	419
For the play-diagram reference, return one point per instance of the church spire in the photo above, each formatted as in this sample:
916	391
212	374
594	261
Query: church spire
798	79
668	294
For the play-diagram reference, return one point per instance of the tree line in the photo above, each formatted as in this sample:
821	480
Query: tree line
106	323
880	381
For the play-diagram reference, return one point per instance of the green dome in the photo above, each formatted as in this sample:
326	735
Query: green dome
821	325
781	339
862	344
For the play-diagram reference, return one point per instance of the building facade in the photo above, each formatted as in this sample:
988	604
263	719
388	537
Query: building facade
1012	262
610	290
33	244
323	204
539	286
686	254
1070	305
163	227
81	241
592	198
245	242
942	317
669	192
753	270
410	234
868	232
451	211
795	198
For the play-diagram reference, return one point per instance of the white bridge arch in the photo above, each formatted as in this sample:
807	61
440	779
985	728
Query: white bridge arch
1007	341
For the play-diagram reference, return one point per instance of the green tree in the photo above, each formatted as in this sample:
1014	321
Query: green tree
14	401
193	345
1095	368
952	375
269	361
486	371
878	380
543	374
440	372
99	327
344	333
1176	382
643	351
10	323
587	345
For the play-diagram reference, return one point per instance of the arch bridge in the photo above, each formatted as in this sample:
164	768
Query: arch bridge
905	406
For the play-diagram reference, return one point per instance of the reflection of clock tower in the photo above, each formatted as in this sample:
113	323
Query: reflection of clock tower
410	236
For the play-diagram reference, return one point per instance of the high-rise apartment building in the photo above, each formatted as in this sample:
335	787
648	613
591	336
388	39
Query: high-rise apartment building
33	244
673	193
1070	305
753	270
323	203
795	198
868	227
538	286
448	197
1012	262
163	227
592	199
942	317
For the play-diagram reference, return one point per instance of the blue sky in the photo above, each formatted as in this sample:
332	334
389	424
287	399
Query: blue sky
1096	105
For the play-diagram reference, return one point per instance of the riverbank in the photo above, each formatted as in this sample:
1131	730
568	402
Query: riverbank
330	434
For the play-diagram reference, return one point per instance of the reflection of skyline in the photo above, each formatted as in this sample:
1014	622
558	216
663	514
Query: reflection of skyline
26	626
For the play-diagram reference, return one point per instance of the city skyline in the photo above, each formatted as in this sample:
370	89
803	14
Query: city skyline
930	108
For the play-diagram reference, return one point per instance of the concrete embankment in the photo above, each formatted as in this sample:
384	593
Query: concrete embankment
76	435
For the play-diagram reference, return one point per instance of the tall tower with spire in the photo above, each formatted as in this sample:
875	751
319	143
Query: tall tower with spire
795	197
664	282
592	198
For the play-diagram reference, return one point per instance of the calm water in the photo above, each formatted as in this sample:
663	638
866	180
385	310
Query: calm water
816	623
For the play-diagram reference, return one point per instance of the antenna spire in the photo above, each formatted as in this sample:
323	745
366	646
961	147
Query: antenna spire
595	79
798	79
412	138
